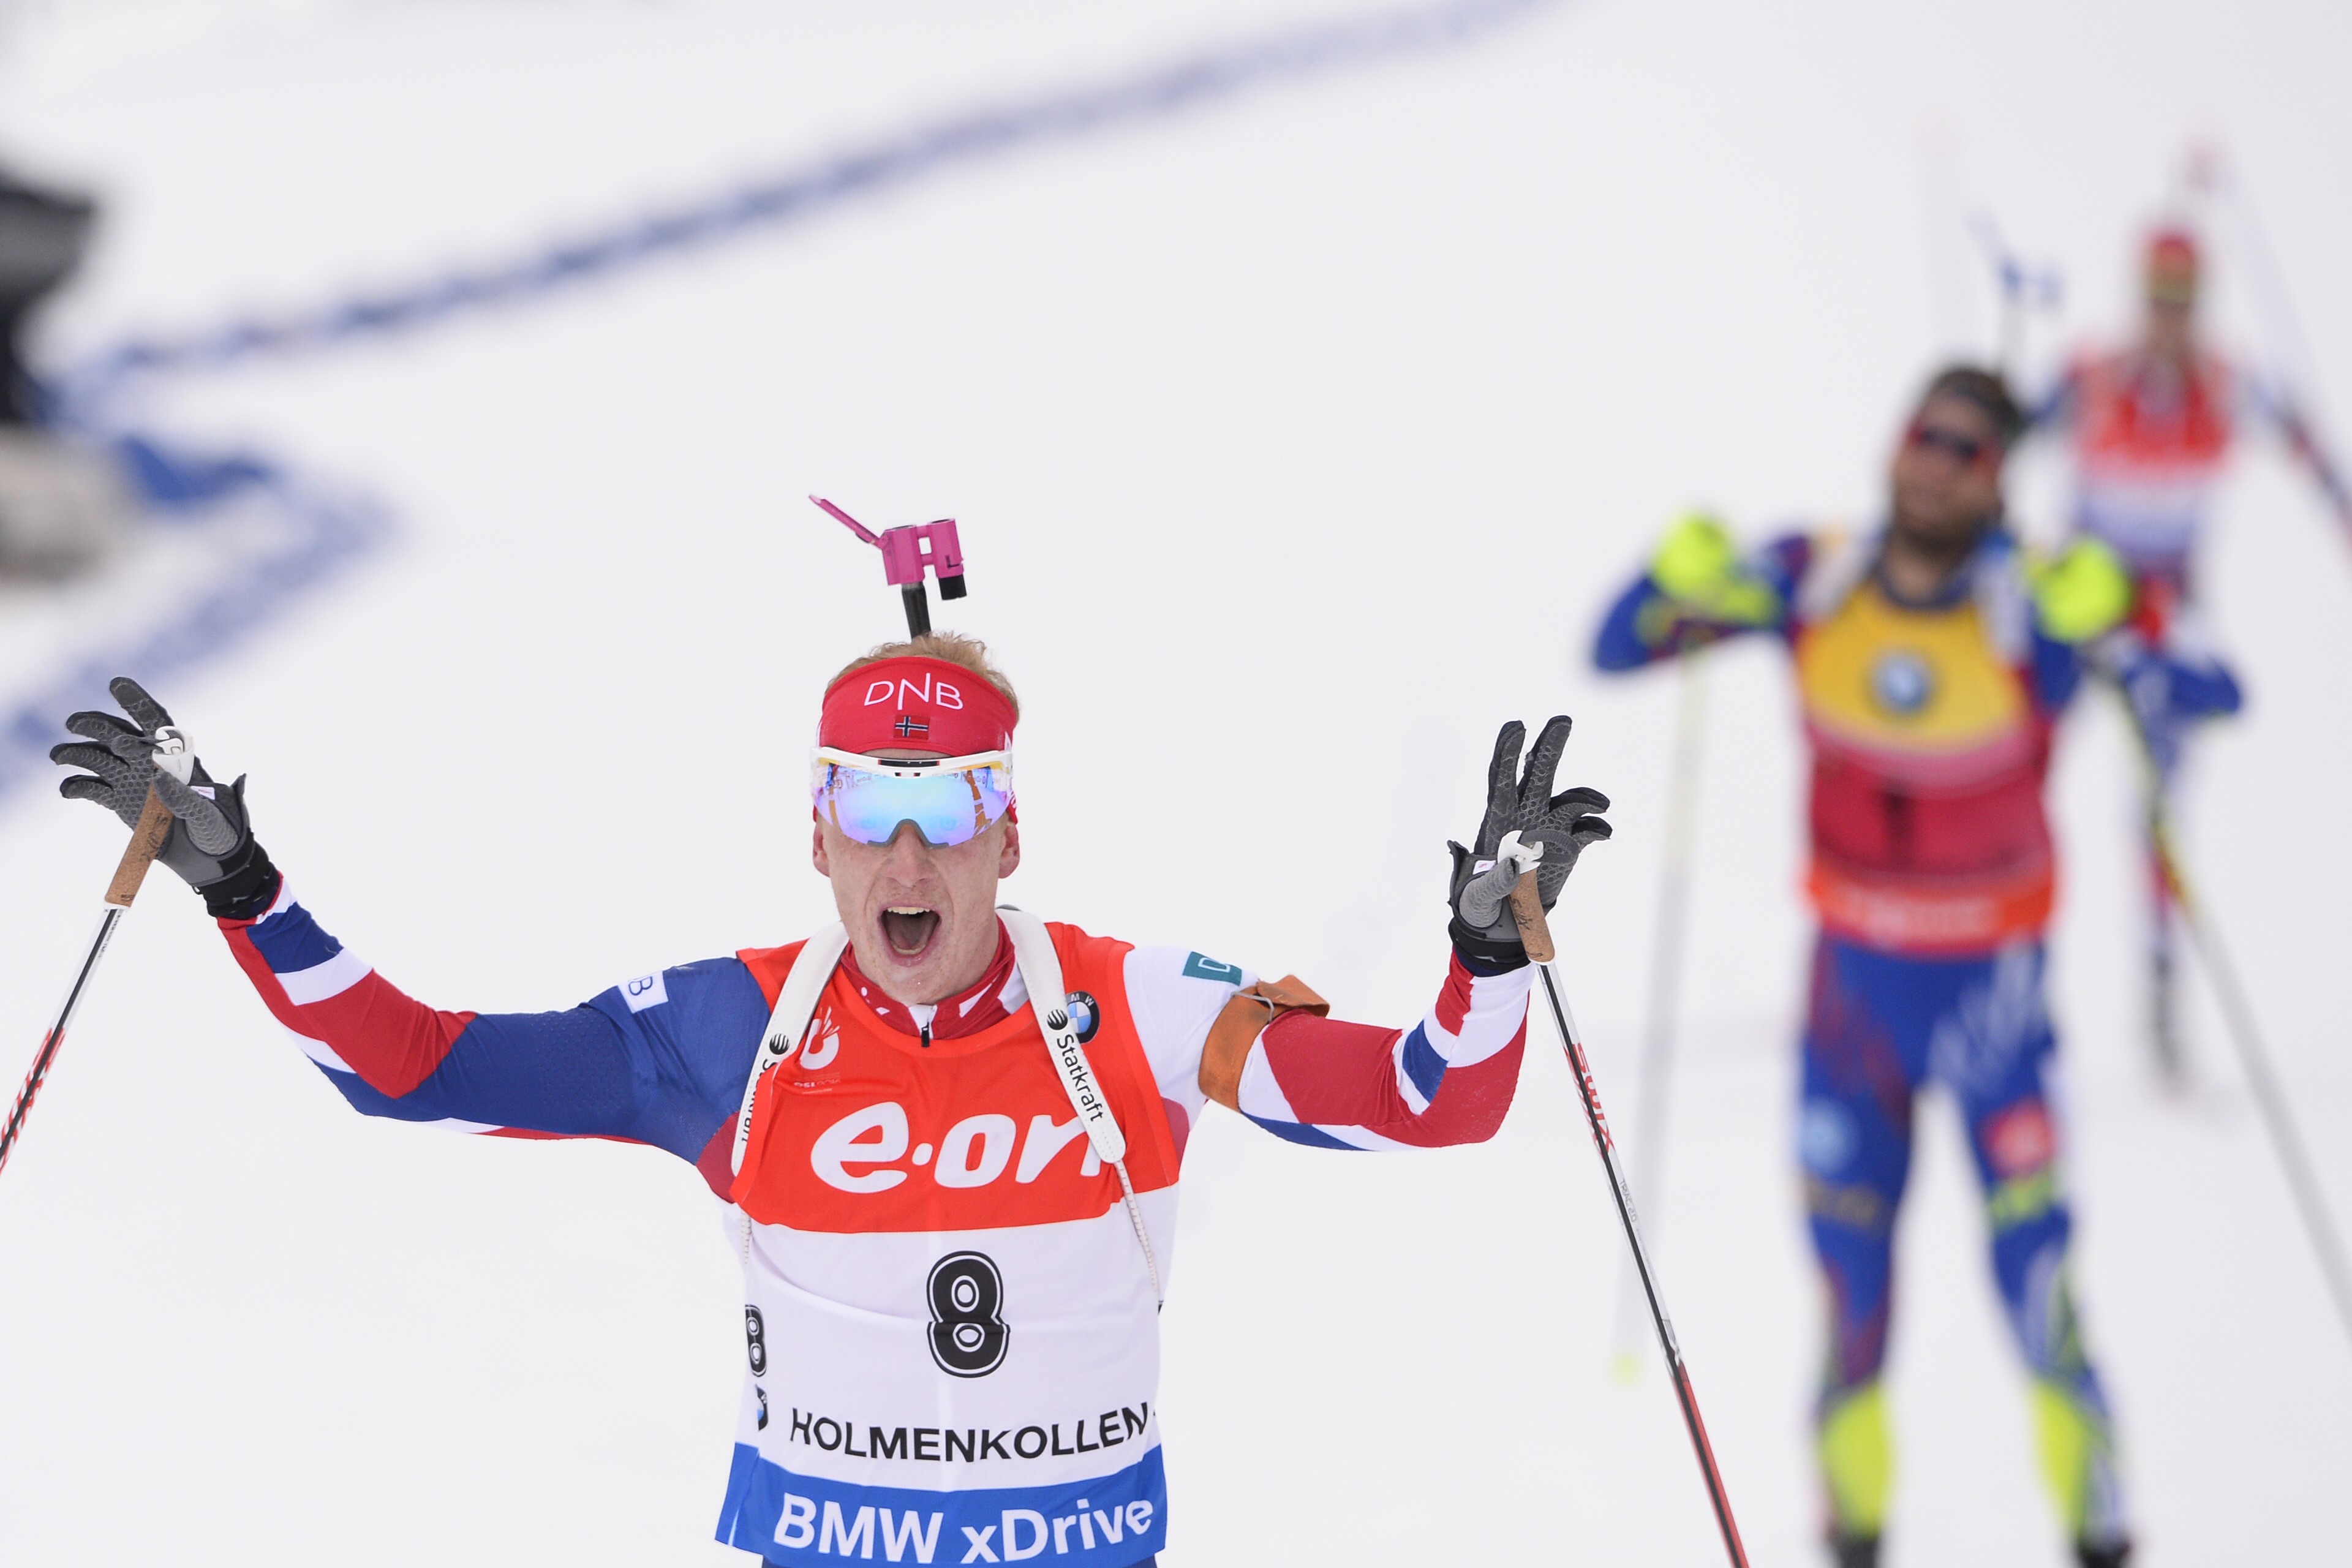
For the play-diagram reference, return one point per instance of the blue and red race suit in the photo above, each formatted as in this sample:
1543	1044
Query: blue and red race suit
1933	875
952	1341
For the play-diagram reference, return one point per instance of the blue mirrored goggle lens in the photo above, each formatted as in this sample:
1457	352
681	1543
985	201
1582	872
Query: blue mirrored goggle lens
946	808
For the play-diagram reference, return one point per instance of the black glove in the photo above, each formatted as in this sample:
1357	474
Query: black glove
1484	934
211	846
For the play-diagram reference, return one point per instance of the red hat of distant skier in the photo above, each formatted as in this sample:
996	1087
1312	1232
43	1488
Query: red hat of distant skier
2173	261
915	702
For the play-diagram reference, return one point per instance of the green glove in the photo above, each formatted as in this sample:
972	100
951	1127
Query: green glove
1699	568
2080	592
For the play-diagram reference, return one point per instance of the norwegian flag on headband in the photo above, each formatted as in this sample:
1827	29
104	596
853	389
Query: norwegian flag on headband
915	703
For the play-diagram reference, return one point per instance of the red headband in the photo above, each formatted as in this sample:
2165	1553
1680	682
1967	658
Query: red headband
2173	247
915	703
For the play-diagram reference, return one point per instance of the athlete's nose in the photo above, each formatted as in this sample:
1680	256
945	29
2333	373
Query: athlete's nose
909	850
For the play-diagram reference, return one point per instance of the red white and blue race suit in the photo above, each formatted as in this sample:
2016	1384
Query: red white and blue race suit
951	1334
2150	444
1933	876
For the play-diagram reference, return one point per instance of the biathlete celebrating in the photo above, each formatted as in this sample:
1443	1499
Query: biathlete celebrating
1932	661
946	1134
2150	427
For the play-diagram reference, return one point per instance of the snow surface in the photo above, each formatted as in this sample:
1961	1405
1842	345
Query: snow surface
1296	442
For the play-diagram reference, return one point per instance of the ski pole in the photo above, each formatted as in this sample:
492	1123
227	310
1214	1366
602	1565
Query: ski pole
2208	172
147	839
2278	1120
1665	984
1526	910
2022	287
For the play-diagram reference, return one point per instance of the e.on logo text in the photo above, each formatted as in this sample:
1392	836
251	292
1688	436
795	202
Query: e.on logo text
862	1151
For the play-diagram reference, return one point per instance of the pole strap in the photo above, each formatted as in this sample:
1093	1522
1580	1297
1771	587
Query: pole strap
795	1006
1041	972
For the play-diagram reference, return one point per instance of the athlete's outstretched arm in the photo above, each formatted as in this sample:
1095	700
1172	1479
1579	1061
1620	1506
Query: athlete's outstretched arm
2088	615
1447	1079
1269	1052
1697	591
2054	411
661	1061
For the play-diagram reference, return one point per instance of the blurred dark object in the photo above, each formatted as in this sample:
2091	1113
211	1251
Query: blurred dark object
60	506
43	235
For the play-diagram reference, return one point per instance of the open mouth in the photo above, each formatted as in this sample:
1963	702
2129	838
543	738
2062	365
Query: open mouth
909	928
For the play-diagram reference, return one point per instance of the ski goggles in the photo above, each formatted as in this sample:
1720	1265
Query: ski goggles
951	800
1962	448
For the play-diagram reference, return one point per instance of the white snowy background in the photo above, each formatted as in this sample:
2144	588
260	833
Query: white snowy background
1296	442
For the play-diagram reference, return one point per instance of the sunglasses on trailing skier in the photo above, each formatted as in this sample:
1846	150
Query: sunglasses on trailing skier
1965	449
951	800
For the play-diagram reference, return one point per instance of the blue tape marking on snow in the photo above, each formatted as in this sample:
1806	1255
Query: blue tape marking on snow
1165	91
335	534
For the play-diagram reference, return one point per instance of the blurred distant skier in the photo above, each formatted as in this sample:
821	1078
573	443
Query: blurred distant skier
1932	659
59	505
2150	427
952	1280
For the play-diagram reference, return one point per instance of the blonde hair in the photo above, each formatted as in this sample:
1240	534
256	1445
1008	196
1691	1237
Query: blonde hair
969	653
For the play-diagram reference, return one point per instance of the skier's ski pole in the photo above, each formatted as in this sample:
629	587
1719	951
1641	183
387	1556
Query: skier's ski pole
1666	987
2286	1140
2024	288
1526	910
2209	172
146	842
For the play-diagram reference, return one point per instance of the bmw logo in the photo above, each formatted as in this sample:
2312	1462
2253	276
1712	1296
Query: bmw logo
1086	1013
1901	682
1826	1138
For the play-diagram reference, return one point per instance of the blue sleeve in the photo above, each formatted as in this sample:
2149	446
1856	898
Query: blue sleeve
2057	673
2170	687
2164	687
661	1061
1643	627
670	1074
1620	645
2203	689
693	1049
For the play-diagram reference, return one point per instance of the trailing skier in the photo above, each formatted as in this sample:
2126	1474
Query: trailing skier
1932	661
2150	427
946	1134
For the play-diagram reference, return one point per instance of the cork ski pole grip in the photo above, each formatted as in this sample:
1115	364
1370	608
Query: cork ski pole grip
146	843
1527	909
